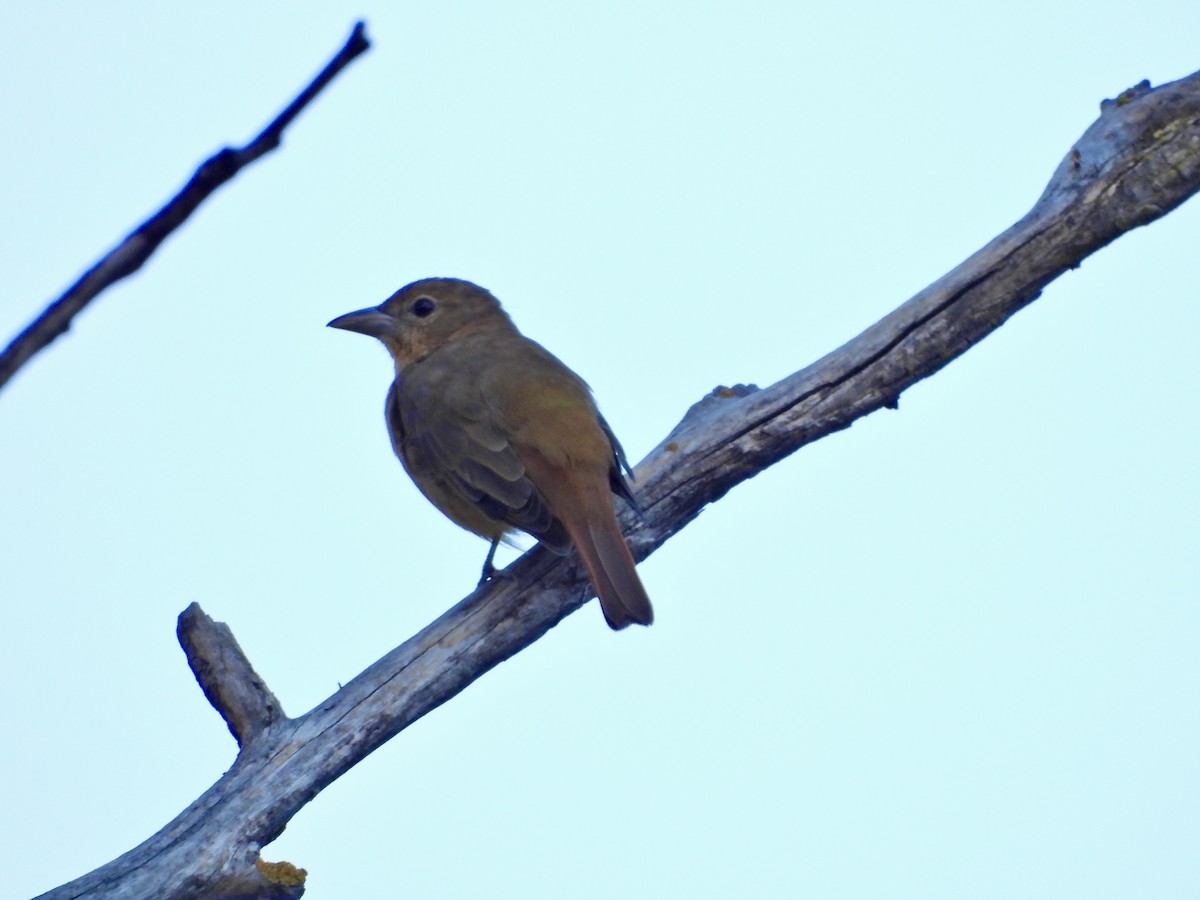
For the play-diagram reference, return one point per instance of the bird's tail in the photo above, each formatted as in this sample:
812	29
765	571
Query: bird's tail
609	564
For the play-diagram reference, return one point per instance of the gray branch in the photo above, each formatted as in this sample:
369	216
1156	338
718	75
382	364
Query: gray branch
1139	161
226	676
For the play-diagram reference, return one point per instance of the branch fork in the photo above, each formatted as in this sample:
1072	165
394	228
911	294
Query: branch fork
1137	162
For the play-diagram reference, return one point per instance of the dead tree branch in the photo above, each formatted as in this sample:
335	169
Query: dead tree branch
1139	161
132	252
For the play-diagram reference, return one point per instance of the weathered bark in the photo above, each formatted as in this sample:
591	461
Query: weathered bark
1140	160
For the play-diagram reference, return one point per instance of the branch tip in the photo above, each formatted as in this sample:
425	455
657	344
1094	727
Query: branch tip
225	675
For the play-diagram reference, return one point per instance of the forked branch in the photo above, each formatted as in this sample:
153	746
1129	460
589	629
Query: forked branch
1139	161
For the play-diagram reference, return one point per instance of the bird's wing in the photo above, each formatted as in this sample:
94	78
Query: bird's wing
444	424
619	469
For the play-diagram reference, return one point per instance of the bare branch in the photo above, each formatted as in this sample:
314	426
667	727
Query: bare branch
132	252
226	676
1140	160
1134	164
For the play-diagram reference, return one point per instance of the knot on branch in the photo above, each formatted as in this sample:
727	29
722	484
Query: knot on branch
715	400
1126	96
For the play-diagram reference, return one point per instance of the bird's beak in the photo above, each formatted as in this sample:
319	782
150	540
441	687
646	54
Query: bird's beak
373	322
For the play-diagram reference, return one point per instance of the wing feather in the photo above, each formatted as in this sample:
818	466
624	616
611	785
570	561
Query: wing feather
461	461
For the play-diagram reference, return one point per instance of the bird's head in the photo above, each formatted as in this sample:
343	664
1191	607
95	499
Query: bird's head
425	315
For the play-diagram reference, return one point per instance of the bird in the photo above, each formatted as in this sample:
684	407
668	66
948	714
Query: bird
500	435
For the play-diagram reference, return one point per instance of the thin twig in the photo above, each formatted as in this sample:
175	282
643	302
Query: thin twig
132	252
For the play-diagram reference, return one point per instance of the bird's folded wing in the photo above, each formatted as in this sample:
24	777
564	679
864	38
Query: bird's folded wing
454	431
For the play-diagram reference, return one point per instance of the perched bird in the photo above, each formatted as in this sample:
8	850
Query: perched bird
500	435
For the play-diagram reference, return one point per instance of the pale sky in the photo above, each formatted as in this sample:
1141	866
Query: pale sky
950	652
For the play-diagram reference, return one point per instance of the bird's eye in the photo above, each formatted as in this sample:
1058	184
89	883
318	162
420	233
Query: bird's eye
423	306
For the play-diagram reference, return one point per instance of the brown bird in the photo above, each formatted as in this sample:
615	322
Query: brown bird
500	435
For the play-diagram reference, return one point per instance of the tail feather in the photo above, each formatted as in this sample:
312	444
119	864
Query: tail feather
581	501
610	566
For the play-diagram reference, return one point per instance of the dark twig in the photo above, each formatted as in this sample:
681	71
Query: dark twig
132	252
